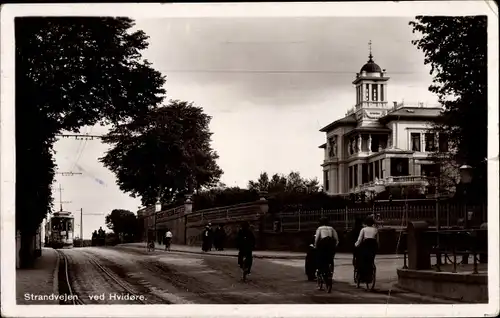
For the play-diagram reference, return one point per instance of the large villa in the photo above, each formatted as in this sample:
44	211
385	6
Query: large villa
378	144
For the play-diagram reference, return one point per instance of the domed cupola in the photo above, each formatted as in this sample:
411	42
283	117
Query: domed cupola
370	66
371	85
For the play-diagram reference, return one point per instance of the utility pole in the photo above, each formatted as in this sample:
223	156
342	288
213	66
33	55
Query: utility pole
81	226
65	174
81	222
60	199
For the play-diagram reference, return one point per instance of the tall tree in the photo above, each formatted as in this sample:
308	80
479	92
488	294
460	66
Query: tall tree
166	153
71	72
456	50
294	182
122	222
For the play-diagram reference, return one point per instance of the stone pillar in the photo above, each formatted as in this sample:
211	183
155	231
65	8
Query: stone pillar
334	185
188	204
370	143
359	143
360	174
264	208
181	236
394	136
419	256
418	169
423	143
411	166
349	147
387	167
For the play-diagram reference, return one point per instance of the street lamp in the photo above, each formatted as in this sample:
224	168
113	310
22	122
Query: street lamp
157	209
465	180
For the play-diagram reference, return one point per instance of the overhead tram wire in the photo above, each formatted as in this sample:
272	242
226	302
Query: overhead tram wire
82	150
271	71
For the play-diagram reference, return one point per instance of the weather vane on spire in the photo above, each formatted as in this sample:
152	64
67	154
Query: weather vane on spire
370	47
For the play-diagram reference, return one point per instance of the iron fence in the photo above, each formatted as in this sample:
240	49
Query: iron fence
394	216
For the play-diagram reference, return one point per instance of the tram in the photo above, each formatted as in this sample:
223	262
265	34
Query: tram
59	230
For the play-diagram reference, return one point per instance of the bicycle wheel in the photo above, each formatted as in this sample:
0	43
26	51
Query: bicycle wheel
329	281
374	276
244	268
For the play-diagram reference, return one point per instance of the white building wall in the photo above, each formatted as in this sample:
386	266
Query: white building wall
402	132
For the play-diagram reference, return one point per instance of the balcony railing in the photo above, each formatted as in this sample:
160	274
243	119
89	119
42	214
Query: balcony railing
407	179
392	181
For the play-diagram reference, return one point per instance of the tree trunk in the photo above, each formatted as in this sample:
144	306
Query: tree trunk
27	252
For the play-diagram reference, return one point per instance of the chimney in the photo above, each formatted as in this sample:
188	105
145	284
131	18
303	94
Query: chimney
395	103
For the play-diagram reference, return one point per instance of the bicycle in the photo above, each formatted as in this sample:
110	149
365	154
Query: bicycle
357	280
325	278
167	245
151	246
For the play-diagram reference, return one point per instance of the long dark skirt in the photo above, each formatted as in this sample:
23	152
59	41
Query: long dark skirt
325	253
365	258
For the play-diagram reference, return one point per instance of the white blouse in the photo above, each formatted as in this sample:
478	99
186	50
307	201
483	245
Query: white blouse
368	232
326	231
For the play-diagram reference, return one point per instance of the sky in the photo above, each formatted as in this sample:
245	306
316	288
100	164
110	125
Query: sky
270	84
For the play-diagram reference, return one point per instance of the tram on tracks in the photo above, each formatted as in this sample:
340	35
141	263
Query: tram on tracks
59	230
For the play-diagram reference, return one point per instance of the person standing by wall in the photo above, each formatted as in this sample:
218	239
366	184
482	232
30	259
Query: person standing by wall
168	240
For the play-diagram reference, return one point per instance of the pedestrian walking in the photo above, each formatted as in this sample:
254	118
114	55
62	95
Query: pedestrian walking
168	240
219	236
207	237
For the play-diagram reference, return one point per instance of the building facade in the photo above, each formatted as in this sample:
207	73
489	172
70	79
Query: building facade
378	144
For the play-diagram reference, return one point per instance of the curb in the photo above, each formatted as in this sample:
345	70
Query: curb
55	280
297	257
233	255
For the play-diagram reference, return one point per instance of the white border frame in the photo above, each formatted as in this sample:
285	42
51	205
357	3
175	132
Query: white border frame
137	11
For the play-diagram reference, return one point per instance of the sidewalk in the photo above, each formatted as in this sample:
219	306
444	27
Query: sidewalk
39	280
257	254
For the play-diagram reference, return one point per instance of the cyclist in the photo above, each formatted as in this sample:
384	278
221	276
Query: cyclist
366	245
326	241
245	242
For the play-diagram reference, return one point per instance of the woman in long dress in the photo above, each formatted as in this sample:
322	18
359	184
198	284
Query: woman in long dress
367	245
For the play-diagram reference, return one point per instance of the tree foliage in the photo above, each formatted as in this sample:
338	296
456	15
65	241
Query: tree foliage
72	72
122	222
278	183
166	153
456	50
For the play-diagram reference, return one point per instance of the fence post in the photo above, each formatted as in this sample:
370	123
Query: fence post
346	218
299	220
321	212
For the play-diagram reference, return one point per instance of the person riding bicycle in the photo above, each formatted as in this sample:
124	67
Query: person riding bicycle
326	241
367	245
245	242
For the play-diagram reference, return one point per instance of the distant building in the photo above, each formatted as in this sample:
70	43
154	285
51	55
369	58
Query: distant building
377	144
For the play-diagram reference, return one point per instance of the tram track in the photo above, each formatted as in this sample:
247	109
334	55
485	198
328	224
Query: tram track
113	277
65	282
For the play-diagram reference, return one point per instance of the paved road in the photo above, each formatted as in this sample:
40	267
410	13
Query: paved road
181	278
